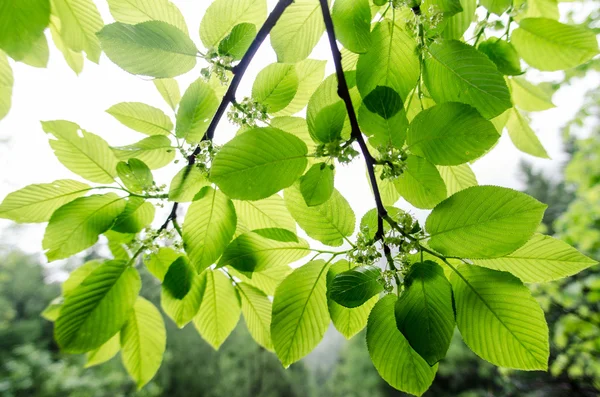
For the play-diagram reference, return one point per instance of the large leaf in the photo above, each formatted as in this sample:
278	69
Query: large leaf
36	203
82	152
316	185
187	183
79	22
151	48
258	163
223	15
197	106
169	90
450	134
219	311
421	184
541	259
310	73
142	118
356	286
22	23
182	311
529	97
457	178
275	86
300	316
397	363
352	21
6	85
263	214
143	342
522	136
154	151
136	11
390	61
76	225
499	319
424	312
547	44
256	308
483	222
97	309
457	72
328	223
209	226
298	31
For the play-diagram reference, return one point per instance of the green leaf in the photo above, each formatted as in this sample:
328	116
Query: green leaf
383	101
182	311
457	178
219	311
22	22
483	222
536	9
151	48
421	184
499	319
503	54
39	54
328	223
296	126
36	203
142	118
397	363
523	137
256	308
223	15
143	341
97	309
252	252
135	175
135	11
77	276
457	72
186	184
541	259
155	151
263	214
208	227
310	73
356	286
317	184
300	316
549	45
52	311
104	353
178	279
497	7
458	24
76	225
275	86
266	280
6	85
298	31
352	21
258	163
197	107
137	214
79	22
529	97
238	41
158	262
368	223
383	132
347	321
73	58
390	61
424	312
169	90
450	134
82	152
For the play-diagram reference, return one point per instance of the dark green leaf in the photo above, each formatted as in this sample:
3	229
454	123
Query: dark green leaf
317	184
354	287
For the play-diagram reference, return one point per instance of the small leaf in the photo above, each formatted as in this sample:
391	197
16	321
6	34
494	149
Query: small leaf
137	214
352	21
383	101
135	175
277	234
256	308
104	353
310	73
178	279
222	16
169	90
142	118
237	42
275	86
529	97
186	184
523	137
503	54
155	151
317	184
368	223
183	310
421	183
388	133
158	262
354	287
196	110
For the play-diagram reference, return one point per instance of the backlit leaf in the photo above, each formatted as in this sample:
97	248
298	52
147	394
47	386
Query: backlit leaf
142	118
356	286
79	22
421	184
223	15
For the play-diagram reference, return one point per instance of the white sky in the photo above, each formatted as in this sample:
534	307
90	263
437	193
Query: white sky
57	93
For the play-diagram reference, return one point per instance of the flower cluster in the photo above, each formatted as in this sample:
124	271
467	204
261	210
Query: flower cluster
392	161
248	113
219	66
206	154
335	150
365	251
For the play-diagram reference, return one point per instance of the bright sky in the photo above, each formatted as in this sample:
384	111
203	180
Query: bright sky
57	93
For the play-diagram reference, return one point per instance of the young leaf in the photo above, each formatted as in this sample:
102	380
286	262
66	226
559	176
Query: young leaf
356	286
76	225
263	214
368	223
223	15
457	178
186	184
523	137
529	97
457	24
183	310
424	312
503	54
450	134
158	262
6	85
142	118
457	72
82	152
79	22
151	48
347	321
97	309
352	21
256	308
136	11
397	363
21	25
237	42
104	353
169	90
421	183
36	203
499	319
328	223
137	214
208	228
316	185
483	222
300	316
135	175
196	109
275	86
541	259
155	151
143	342
310	73
549	45
219	311
179	278
258	163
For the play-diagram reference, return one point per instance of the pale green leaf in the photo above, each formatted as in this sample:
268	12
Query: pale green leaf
266	280
458	24
186	184
390	132
137	214
182	311
73	58
352	21
529	97
523	137
537	9
103	353
142	118
310	73
39	53
352	288
457	178
22	22
369	221
135	175
6	85
498	7
349	60
275	86
169	90
77	276
270	212
296	126
79	22
421	184
503	54
158	262
223	15
136	11
238	41
196	109
256	308
316	185
155	151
